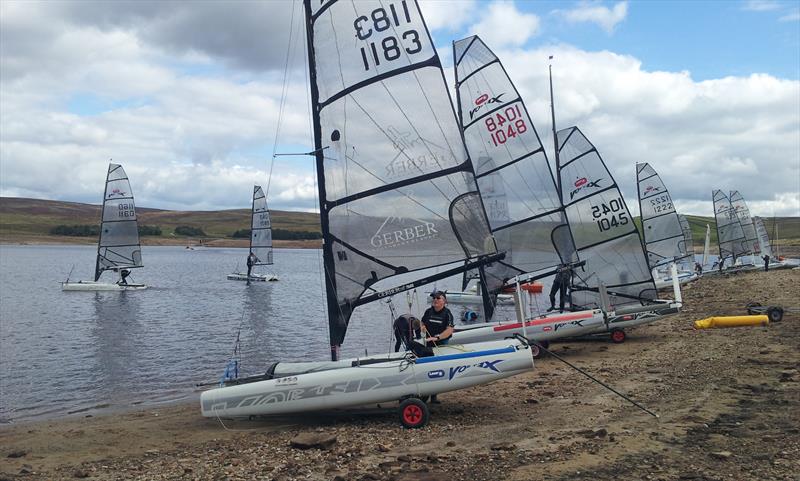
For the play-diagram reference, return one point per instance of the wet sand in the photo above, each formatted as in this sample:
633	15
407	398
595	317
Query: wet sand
728	401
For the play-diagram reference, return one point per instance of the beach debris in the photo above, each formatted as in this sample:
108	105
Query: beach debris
313	440
17	453
731	321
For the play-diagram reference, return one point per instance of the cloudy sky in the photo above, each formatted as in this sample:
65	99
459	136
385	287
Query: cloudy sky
186	95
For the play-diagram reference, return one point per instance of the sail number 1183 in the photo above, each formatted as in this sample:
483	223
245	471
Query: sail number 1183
392	46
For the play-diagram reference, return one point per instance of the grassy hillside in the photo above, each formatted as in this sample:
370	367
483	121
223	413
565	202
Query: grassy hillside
36	217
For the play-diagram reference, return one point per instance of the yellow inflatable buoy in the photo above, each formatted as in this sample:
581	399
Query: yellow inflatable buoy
731	321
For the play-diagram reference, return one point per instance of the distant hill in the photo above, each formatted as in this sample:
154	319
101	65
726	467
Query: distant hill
35	217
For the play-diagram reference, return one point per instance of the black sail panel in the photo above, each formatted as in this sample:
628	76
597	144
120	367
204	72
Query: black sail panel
602	227
397	189
515	180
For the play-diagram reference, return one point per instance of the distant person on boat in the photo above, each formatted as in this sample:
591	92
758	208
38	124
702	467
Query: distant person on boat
123	277
766	263
698	268
251	260
560	285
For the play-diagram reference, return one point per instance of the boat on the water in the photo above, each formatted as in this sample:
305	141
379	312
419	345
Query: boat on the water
118	249
260	251
397	202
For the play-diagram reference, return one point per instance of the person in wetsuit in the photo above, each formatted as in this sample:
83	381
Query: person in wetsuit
560	285
251	260
438	324
766	263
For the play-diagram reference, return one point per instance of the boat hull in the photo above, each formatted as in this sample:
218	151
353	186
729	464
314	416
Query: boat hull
100	286
544	328
242	276
373	383
476	299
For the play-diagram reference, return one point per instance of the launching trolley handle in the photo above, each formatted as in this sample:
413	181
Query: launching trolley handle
529	342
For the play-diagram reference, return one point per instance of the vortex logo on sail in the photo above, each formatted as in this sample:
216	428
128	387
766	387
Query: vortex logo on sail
386	238
483	101
582	184
650	189
116	192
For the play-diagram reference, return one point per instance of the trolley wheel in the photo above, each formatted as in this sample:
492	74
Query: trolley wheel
414	413
775	314
750	308
618	336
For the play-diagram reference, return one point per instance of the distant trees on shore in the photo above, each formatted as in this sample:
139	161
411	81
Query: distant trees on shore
189	231
93	230
281	234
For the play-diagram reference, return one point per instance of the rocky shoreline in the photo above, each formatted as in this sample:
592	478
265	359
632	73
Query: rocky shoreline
727	401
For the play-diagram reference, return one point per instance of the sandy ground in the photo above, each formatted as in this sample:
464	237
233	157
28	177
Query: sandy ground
728	401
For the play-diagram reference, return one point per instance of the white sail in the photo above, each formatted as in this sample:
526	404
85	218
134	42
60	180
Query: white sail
119	246
664	238
706	245
763	237
743	214
260	229
729	230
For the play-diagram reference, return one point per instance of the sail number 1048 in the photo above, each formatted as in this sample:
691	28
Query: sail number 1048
392	46
506	124
610	215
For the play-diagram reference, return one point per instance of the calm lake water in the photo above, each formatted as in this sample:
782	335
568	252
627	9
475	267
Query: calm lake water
73	353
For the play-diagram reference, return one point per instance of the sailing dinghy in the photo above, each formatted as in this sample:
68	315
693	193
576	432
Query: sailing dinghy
396	198
662	228
733	244
765	246
260	240
118	249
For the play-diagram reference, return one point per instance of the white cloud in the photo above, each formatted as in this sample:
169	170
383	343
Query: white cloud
449	15
504	25
791	17
761	5
606	18
739	133
193	119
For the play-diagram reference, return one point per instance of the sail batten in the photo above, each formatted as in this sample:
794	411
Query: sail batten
118	247
397	188
513	174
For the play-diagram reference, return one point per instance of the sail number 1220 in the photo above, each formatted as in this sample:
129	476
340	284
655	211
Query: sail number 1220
389	48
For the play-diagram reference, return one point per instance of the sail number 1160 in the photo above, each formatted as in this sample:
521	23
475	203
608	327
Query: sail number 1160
388	49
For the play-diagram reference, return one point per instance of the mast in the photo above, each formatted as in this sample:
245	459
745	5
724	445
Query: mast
555	137
97	270
327	251
252	219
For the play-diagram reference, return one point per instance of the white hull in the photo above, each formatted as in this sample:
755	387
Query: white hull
100	286
374	383
544	328
683	278
242	276
637	316
475	299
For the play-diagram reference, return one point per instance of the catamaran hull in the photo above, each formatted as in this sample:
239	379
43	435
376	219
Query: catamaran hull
633	319
373	383
241	276
100	286
545	328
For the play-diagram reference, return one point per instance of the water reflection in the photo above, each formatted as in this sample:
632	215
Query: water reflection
118	342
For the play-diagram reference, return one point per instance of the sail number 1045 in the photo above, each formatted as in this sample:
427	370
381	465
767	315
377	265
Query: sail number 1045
610	215
392	46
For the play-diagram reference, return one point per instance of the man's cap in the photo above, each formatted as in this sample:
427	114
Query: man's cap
436	294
